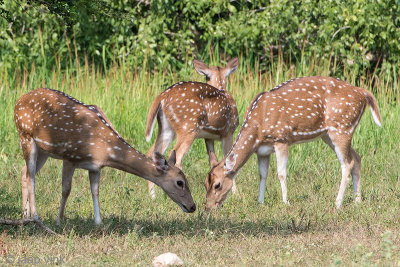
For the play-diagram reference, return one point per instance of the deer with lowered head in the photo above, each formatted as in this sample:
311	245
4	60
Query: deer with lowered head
296	111
190	110
53	124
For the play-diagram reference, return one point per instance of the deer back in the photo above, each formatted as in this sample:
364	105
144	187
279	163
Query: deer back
64	127
194	105
304	108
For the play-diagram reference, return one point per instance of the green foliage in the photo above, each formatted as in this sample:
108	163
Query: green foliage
164	33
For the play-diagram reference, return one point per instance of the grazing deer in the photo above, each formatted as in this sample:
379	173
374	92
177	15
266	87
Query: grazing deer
296	111
190	110
53	124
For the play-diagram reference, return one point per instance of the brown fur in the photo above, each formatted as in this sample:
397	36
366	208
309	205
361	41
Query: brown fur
53	124
190	110
296	111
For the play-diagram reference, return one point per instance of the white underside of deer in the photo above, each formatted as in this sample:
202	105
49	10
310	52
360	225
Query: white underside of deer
53	124
297	111
191	110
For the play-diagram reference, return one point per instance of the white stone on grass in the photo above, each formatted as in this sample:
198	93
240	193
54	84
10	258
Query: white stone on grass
167	259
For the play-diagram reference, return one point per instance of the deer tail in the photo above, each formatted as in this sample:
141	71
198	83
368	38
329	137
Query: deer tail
373	107
151	117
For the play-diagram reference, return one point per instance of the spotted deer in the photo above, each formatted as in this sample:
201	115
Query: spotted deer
53	124
190	110
296	111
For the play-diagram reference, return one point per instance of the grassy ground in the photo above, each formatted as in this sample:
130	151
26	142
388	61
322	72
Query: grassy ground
311	231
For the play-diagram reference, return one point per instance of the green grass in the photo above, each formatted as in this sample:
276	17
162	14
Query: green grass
311	231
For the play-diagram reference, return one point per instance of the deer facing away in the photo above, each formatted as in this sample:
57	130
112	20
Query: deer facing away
296	111
190	110
53	124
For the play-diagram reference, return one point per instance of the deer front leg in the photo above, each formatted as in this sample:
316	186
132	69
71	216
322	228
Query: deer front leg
94	177
263	166
227	142
282	154
210	149
183	143
67	173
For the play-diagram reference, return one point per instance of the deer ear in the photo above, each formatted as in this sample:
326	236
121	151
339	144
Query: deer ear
231	66
201	68
230	162
160	162
213	160
172	158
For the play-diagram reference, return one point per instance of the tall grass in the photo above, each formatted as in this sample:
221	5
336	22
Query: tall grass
309	232
122	90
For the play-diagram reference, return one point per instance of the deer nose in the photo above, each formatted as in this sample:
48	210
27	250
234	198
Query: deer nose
192	208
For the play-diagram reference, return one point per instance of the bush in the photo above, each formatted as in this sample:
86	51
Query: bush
164	33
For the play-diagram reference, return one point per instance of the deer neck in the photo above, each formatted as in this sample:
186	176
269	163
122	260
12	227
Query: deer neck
217	82
245	145
124	157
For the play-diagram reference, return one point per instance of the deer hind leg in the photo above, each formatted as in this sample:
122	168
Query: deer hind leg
263	166
164	137
67	173
227	142
341	145
356	175
26	211
282	154
27	182
30	151
94	177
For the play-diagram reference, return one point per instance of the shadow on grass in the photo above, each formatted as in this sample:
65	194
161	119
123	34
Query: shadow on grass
201	224
9	210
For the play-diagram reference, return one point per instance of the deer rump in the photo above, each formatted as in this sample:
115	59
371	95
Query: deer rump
192	107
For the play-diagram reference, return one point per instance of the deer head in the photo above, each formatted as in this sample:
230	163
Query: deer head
216	76
173	181
219	181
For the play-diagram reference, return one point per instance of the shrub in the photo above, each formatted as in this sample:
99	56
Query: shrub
163	33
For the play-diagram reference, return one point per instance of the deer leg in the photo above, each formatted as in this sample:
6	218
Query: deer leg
94	177
263	166
40	161
227	142
210	148
26	211
67	173
30	151
182	146
346	169
282	154
343	152
356	175
164	137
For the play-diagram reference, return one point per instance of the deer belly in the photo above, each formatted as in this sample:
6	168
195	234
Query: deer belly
265	150
208	135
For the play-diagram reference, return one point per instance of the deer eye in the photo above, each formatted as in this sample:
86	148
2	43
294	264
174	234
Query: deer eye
217	186
179	183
